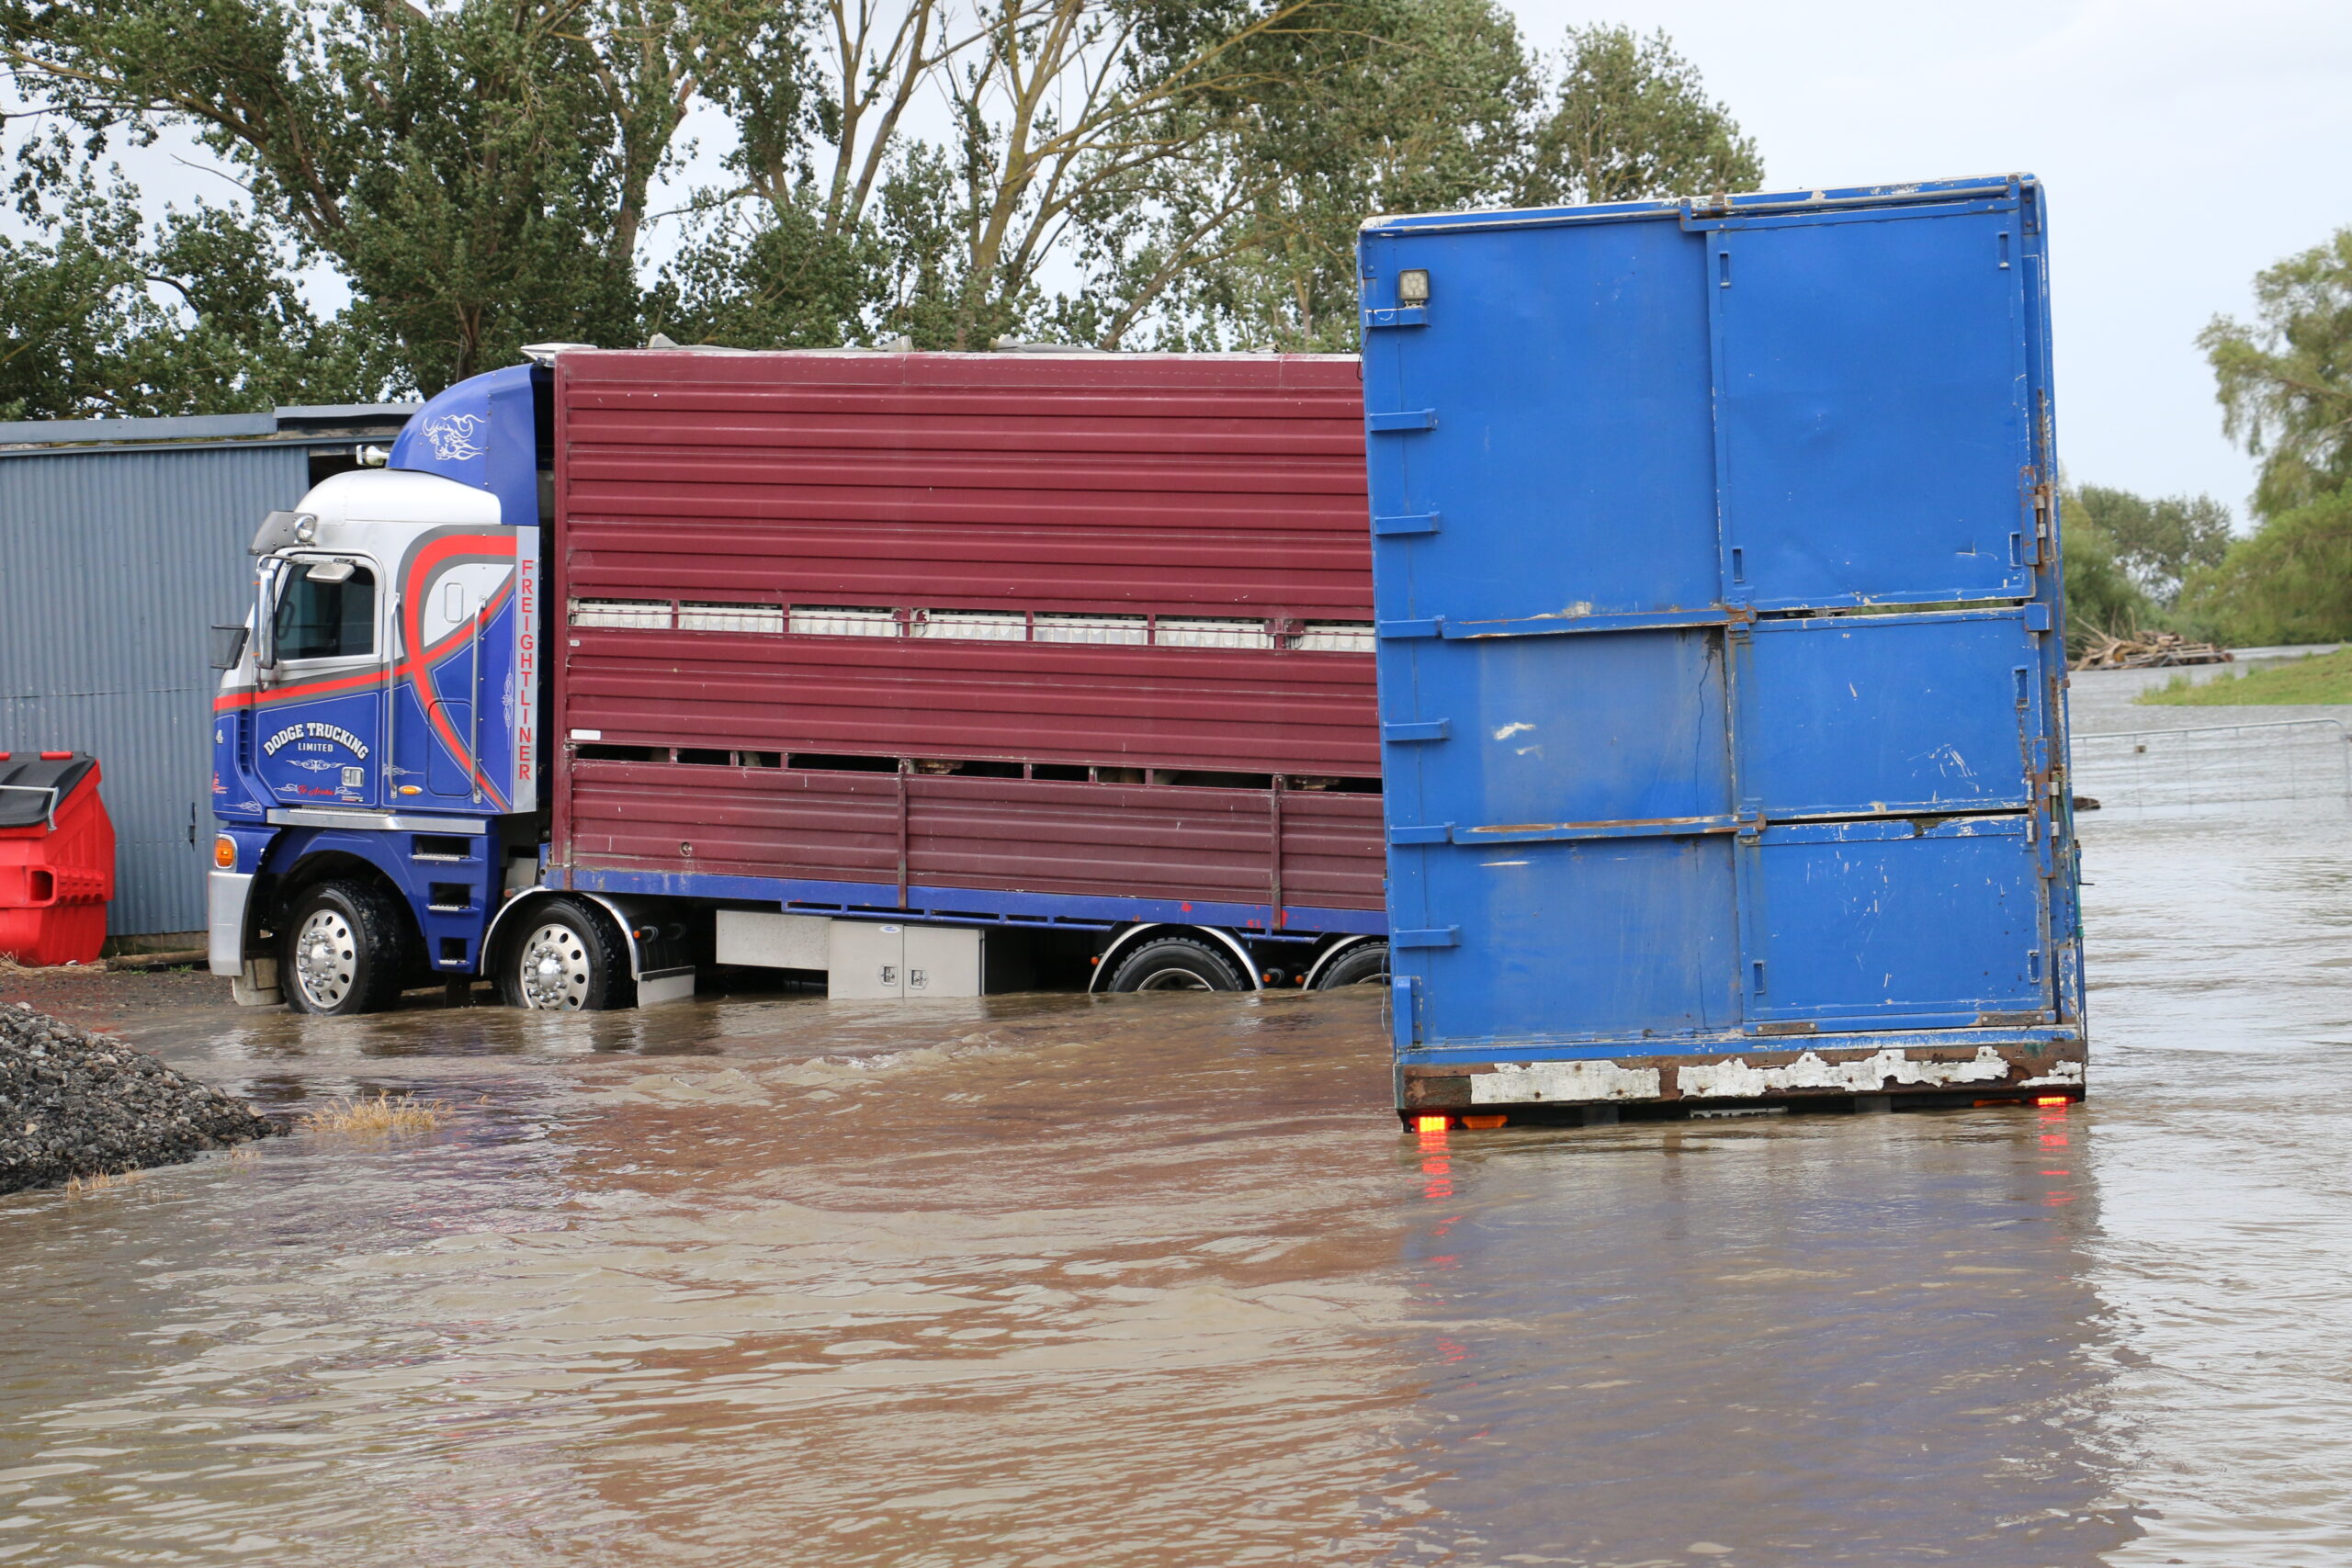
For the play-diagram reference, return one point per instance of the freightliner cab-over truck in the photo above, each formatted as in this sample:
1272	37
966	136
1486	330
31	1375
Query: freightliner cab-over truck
936	673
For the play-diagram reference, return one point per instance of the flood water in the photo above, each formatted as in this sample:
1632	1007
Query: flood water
1156	1280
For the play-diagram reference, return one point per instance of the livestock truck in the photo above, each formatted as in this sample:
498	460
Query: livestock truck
936	674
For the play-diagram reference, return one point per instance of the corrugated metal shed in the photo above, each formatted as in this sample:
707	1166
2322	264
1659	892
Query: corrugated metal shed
120	542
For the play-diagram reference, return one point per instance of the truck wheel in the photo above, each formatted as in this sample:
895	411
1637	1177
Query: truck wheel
345	950
1175	963
568	959
1364	964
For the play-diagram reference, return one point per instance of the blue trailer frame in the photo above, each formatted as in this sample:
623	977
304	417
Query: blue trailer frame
1721	649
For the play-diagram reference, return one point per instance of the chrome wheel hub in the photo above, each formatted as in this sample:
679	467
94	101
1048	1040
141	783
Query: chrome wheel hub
326	959
1174	980
553	967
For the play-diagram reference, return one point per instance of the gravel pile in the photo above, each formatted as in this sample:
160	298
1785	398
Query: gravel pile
73	1103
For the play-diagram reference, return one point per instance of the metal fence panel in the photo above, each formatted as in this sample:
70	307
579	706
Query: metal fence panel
2224	764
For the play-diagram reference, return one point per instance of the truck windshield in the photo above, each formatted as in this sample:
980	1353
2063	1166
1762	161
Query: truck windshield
325	620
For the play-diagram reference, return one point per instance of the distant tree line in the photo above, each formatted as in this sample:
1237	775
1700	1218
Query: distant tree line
1137	173
2284	382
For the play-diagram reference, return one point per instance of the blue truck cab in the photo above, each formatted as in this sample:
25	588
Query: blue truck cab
380	710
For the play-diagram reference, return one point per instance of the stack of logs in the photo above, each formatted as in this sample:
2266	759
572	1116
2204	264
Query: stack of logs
2148	651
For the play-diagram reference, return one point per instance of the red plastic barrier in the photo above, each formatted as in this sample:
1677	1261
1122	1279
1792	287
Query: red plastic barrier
56	858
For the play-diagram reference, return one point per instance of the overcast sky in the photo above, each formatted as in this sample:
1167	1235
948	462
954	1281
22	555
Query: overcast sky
2185	146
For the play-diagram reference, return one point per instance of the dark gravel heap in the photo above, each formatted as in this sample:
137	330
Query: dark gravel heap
73	1103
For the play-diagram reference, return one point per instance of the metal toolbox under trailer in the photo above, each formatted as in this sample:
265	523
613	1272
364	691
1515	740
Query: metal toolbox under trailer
874	960
1721	666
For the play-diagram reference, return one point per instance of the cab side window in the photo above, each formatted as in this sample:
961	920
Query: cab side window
325	620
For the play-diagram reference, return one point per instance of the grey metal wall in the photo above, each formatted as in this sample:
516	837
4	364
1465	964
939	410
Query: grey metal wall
112	566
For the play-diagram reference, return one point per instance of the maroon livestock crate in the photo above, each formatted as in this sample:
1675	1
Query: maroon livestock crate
1072	627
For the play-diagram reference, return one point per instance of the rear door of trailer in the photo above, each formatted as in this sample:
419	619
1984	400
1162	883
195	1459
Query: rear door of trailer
1718	656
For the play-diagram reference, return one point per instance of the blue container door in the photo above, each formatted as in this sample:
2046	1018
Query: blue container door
1938	923
1651	781
1537	453
1874	441
1854	716
1595	880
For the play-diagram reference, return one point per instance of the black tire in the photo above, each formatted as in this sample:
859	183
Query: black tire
1175	963
344	949
565	956
1365	963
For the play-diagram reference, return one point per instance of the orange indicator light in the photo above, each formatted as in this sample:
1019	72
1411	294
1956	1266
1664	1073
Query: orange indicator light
1484	1123
224	853
2052	1099
1429	1123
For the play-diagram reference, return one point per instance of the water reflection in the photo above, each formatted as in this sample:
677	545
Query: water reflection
1868	1340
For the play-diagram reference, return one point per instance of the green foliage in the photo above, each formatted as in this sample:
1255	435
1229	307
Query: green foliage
477	171
2290	582
1126	173
784	282
2314	678
197	315
2100	595
2157	542
1628	118
1363	106
2285	383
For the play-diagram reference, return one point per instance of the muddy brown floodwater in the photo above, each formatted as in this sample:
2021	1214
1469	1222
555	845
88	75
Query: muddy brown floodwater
1155	1281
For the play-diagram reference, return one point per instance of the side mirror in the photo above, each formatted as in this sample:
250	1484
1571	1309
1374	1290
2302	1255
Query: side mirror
228	646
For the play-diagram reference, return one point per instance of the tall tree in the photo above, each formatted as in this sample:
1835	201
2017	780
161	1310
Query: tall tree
2100	595
2285	381
2158	541
2285	387
1248	242
1627	118
478	171
111	316
2290	582
1170	173
1434	104
1049	105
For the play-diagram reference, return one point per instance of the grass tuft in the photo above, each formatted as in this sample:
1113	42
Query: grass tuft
377	1112
77	1186
2314	678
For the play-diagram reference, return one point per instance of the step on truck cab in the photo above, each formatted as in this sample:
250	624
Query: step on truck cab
936	674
